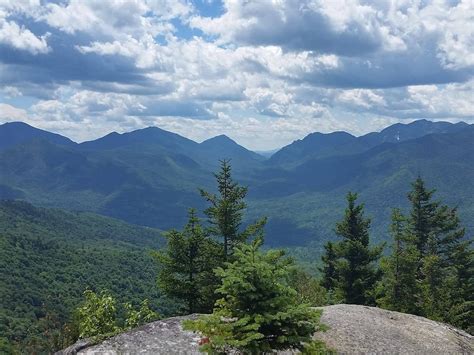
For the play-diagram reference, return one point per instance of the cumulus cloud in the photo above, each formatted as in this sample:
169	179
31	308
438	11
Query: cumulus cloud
19	37
263	72
11	113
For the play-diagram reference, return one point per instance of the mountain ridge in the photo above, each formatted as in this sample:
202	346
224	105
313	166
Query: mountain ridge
153	185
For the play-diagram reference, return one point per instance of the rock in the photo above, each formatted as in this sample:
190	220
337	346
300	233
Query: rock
361	329
353	329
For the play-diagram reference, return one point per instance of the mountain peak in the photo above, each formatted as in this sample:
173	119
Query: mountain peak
220	139
13	133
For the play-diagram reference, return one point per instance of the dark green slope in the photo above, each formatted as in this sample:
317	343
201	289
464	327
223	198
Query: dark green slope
49	257
148	188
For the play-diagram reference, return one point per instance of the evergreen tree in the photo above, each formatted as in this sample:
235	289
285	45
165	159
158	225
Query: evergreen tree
186	266
308	288
444	258
398	287
226	211
258	311
422	221
356	269
329	269
432	263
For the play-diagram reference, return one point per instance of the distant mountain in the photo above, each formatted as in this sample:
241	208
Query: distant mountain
401	132
13	133
114	183
222	147
151	137
319	145
306	201
151	177
313	145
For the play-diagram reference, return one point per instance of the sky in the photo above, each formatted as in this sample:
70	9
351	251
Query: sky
262	72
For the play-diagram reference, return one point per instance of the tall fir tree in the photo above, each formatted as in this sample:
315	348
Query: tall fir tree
186	266
226	211
398	287
356	268
437	277
329	268
422	220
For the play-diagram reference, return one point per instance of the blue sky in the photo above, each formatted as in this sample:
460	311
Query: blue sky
263	72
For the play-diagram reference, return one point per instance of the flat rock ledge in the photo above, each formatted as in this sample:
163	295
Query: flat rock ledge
353	330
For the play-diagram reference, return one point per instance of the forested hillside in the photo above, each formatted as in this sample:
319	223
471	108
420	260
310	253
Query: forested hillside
51	256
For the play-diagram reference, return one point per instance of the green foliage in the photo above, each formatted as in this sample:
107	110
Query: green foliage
329	268
398	287
52	256
356	271
309	290
430	271
138	317
97	315
186	266
258	312
227	209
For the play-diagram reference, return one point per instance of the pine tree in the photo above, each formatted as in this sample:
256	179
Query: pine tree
258	311
329	269
227	209
186	266
356	270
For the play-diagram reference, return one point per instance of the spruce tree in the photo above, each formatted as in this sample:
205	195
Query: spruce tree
398	287
186	266
435	263
357	271
226	211
329	269
258	311
422	221
444	257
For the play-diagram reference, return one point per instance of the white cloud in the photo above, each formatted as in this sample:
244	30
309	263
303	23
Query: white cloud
22	38
361	98
12	113
264	72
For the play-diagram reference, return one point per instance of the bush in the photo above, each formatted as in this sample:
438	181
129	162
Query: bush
97	316
258	311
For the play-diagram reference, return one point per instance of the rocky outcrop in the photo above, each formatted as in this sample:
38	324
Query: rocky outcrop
360	329
353	329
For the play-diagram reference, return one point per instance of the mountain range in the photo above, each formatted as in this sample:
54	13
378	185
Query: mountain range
150	176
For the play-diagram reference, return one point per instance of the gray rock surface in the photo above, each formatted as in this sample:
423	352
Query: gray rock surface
363	330
353	330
